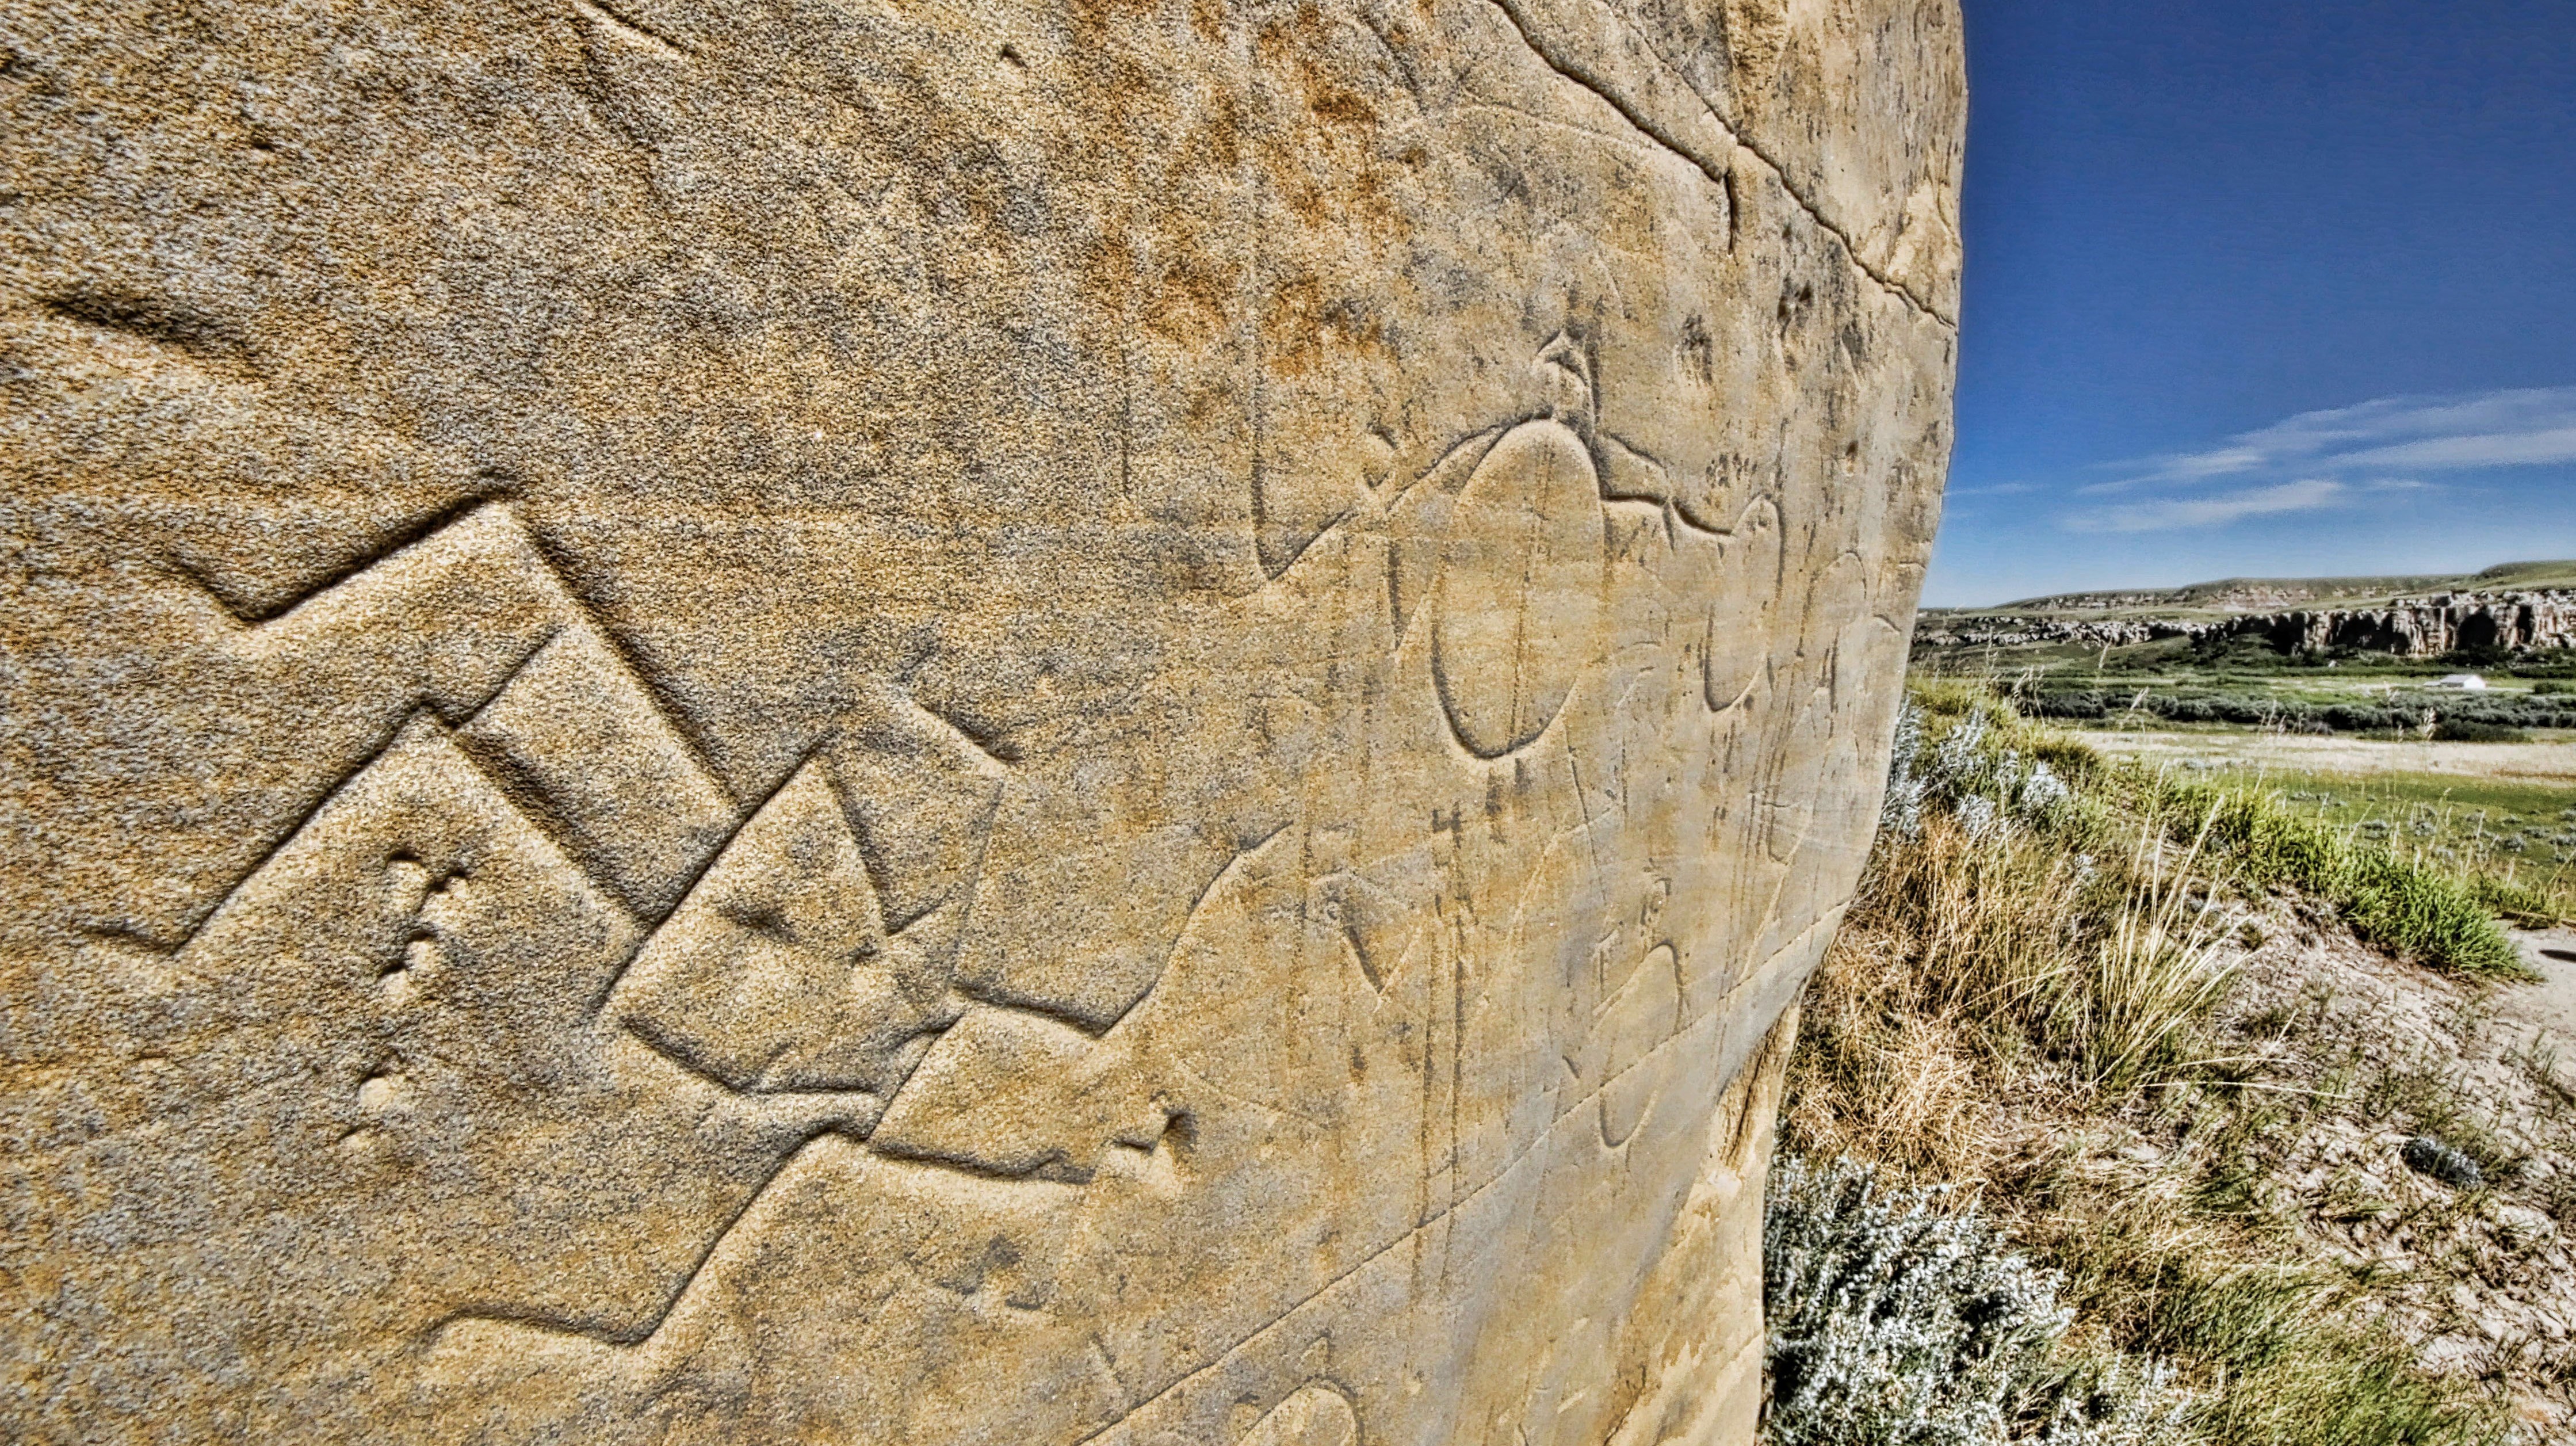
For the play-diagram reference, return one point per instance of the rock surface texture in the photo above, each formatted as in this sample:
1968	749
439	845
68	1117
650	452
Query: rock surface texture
900	722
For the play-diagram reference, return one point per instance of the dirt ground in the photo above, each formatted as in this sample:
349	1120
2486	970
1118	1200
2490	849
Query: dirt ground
2549	1006
2540	763
2482	1280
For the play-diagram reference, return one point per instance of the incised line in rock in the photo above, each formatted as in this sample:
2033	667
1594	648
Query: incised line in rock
1718	175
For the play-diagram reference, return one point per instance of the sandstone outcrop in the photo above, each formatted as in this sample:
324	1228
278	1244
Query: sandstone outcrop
1987	631
2430	626
915	723
2424	627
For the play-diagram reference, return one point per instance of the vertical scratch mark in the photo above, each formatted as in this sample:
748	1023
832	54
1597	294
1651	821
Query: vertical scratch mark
1109	1367
1126	428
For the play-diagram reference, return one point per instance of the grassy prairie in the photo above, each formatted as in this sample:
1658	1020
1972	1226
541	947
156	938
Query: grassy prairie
2502	813
2514	832
2173	1031
2546	762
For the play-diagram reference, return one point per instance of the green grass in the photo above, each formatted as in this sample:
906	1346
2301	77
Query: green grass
2419	865
2396	899
2300	1370
2516	841
2065	969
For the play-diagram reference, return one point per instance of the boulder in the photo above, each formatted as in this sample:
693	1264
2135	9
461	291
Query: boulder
925	723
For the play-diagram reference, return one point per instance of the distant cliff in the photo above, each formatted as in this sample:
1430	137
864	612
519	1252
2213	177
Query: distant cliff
2412	627
2279	594
2427	627
2023	630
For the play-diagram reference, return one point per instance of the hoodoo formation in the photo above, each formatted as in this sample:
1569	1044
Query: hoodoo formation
916	723
2407	627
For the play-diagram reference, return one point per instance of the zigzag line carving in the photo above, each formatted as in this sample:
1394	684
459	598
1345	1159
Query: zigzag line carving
472	623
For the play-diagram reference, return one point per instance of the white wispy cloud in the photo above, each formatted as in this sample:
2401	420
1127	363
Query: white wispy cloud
2211	510
2348	457
2524	427
2524	449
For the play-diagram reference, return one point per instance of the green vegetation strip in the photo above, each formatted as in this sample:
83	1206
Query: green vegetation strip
2515	840
2460	717
2413	910
2029	1001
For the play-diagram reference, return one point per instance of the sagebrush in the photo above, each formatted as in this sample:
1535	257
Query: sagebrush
1895	1321
2030	975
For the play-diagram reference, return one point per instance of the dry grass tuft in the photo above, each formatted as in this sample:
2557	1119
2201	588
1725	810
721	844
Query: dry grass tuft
2036	1000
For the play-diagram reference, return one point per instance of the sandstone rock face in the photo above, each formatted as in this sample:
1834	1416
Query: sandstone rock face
903	722
2428	627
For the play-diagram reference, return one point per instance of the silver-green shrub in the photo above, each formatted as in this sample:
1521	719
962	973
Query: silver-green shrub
1901	811
1896	1322
1969	773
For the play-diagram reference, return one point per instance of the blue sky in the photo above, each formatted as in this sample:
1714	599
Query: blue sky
2266	287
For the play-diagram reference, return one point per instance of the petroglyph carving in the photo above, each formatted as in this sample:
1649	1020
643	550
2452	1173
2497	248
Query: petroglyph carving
433	1124
1015	1094
777	972
789	731
1311	1416
1743	614
920	796
1517	613
574	728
